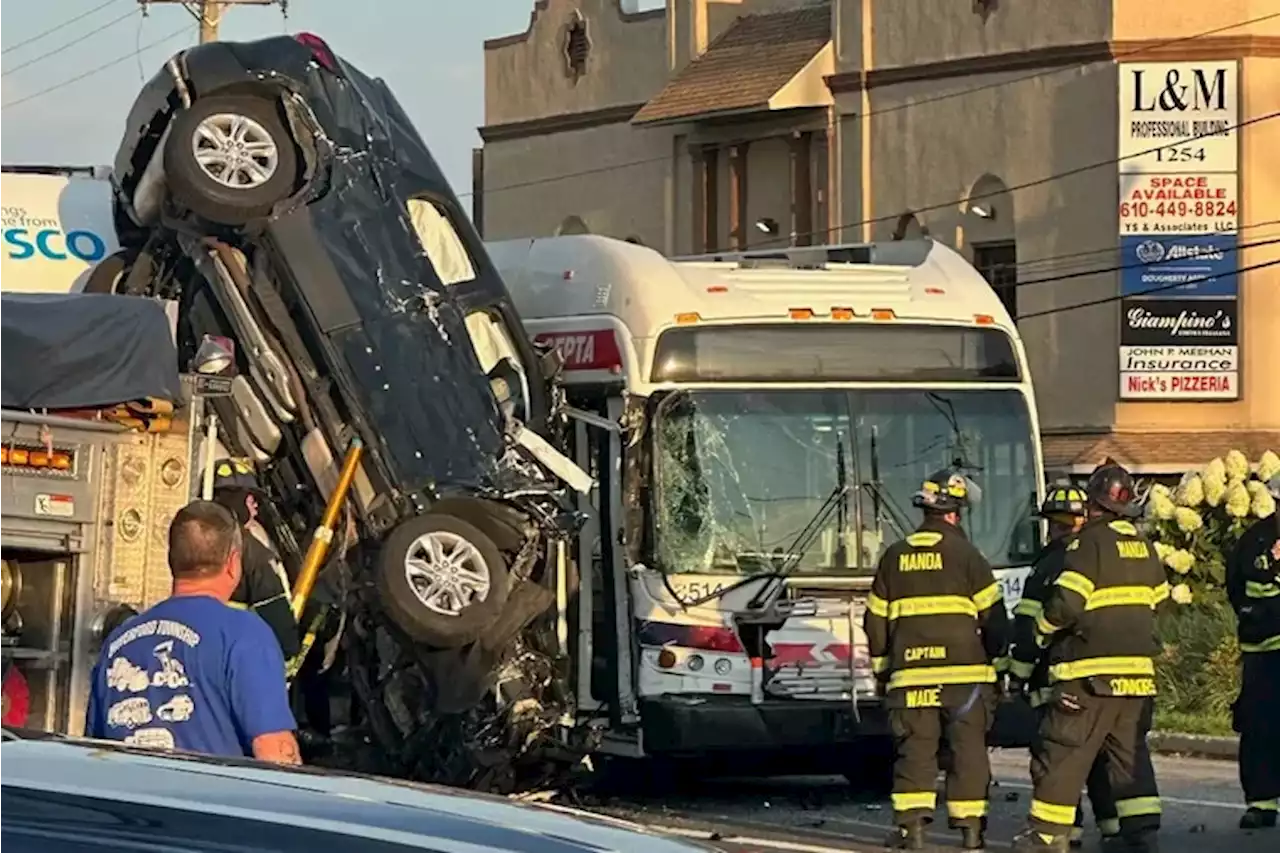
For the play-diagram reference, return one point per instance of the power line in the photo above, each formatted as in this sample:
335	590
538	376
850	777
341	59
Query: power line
54	29
103	67
126	16
1159	45
1122	267
1107	299
1112	161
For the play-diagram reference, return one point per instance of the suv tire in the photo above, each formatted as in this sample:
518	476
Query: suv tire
425	551
245	128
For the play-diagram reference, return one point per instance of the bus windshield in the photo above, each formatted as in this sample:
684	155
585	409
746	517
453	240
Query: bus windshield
740	474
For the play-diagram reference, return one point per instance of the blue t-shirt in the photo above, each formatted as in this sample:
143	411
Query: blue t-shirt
191	673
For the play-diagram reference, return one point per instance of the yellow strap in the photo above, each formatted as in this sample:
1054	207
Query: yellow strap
1055	814
918	800
1091	667
1077	583
1137	807
1028	607
961	809
937	676
1253	589
933	605
1271	644
989	597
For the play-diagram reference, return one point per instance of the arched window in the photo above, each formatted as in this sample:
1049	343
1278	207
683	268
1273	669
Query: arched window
572	225
989	231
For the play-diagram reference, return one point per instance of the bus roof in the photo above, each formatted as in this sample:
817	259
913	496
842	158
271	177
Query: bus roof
582	275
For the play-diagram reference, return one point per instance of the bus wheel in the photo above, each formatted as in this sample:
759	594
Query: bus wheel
442	580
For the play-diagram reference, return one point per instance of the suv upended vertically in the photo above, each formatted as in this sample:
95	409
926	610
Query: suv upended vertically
287	202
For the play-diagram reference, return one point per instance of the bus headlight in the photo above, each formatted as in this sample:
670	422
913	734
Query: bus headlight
723	665
695	663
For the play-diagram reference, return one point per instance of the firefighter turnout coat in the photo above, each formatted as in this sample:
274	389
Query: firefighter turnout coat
935	617
1098	628
1028	660
1253	585
936	623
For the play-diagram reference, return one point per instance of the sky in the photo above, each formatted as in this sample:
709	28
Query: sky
429	51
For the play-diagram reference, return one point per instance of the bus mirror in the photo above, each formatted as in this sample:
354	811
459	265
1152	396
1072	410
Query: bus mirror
592	419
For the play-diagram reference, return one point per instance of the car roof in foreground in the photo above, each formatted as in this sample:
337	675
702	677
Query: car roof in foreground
361	807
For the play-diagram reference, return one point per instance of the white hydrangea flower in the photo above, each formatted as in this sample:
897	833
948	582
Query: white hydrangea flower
1237	465
1255	486
1163	551
1159	489
1214	491
1263	504
1268	466
1237	500
1160	506
1181	561
1215	471
1181	594
1190	491
1188	520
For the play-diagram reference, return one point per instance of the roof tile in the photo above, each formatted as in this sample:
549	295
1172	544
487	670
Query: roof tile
743	68
1179	451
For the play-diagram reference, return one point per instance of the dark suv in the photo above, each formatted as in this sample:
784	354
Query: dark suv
285	200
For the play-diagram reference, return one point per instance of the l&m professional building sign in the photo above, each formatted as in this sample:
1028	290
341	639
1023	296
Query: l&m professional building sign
1179	349
1178	203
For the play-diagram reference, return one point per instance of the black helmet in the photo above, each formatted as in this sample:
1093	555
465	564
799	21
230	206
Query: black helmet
946	491
1064	500
1111	487
232	473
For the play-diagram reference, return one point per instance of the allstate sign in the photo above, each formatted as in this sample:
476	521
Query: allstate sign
1179	265
55	229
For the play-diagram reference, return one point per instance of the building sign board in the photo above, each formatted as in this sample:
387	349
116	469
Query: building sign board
1165	267
1178	200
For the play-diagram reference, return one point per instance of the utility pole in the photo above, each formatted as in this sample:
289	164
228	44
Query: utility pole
208	13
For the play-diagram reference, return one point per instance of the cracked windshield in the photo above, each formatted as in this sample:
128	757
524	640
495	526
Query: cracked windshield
740	475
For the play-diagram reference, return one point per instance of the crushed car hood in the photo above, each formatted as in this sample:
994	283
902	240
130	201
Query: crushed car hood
350	806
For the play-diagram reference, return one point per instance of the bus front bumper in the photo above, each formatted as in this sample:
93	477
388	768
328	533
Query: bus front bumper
711	723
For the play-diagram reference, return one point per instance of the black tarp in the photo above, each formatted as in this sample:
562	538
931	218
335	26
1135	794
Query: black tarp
83	351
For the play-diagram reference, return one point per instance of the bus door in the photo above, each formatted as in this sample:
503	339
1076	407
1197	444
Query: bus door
601	655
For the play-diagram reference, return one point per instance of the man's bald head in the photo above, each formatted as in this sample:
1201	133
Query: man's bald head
203	538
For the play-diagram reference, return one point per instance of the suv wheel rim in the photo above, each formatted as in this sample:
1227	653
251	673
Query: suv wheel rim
446	573
235	151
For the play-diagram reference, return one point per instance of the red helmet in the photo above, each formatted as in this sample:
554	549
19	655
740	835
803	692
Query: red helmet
1111	487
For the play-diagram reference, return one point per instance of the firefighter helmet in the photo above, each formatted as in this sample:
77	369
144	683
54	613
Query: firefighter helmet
234	473
1110	487
946	491
1064	500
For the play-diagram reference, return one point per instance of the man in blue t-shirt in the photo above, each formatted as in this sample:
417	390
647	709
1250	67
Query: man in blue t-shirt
192	673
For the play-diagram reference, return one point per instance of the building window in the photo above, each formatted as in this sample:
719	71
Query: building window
577	46
998	264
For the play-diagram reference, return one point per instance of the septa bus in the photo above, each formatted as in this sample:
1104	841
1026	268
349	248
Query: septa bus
756	424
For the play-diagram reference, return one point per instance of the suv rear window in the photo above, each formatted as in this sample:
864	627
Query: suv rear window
441	241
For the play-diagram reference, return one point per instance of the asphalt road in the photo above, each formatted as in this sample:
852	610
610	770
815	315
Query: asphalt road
825	815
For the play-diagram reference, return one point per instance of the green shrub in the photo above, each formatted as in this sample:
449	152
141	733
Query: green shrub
1198	670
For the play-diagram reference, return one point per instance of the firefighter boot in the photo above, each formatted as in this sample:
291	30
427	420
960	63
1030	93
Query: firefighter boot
973	838
1258	819
1032	841
1146	842
906	837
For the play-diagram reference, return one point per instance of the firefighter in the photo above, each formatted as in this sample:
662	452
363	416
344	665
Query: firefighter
1065	511
1253	584
264	584
936	624
1098	626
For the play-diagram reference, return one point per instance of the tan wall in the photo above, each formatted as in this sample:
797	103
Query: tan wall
1020	133
914	32
525	76
527	194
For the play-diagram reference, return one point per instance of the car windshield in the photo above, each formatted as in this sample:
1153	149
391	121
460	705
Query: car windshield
740	474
